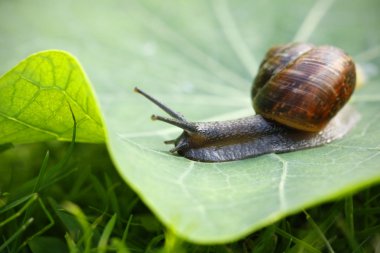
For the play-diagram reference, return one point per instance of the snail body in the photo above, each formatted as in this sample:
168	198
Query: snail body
297	94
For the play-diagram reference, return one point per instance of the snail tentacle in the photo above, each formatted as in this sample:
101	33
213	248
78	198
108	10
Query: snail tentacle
185	125
165	108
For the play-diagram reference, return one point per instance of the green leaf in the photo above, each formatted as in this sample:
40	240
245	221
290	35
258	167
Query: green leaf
199	57
36	96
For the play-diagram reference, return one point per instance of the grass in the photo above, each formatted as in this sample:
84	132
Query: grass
57	198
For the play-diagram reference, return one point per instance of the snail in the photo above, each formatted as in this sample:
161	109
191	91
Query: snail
297	94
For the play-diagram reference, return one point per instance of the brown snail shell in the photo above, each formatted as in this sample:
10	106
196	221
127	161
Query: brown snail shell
304	92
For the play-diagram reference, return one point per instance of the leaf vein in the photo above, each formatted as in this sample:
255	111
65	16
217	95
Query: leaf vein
234	37
312	20
175	39
39	129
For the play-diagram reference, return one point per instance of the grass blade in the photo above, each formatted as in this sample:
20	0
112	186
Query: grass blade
102	244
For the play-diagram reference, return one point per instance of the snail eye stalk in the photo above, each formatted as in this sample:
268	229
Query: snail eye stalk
165	108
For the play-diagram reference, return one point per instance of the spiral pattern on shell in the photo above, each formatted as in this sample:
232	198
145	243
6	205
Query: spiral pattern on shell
303	86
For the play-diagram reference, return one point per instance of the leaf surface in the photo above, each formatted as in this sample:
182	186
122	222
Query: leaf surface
199	58
36	96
